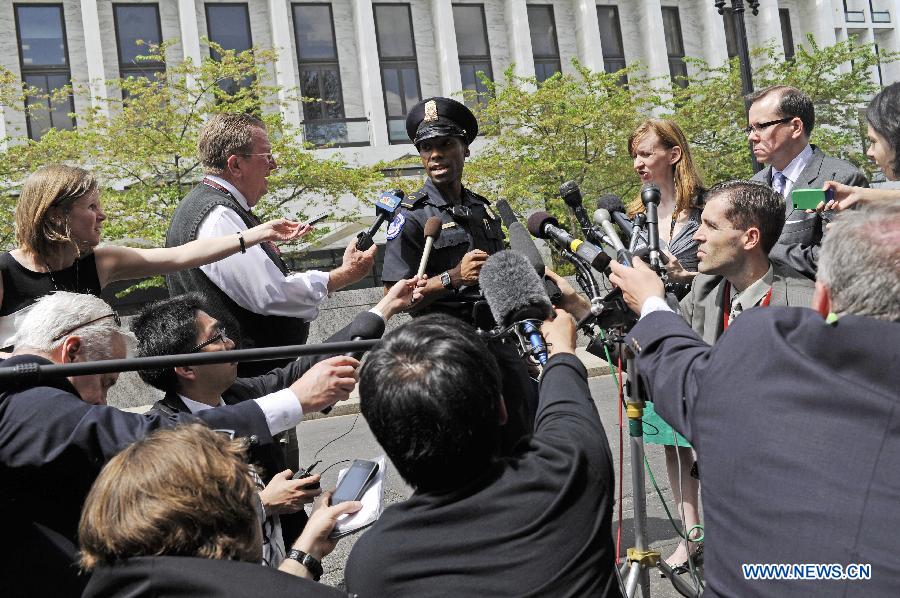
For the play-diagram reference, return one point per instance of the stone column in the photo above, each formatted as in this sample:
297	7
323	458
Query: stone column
93	47
190	34
520	52
715	48
370	72
587	34
445	47
285	65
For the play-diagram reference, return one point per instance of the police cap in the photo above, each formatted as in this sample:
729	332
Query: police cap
440	117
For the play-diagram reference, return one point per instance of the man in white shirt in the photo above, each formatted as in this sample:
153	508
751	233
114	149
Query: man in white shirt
781	120
253	289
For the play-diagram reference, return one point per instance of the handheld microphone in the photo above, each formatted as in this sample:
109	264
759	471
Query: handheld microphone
520	240
385	207
516	297
602	217
571	194
432	232
544	226
650	197
636	238
364	326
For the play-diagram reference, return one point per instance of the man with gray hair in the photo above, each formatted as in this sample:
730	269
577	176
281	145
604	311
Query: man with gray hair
794	416
271	305
56	433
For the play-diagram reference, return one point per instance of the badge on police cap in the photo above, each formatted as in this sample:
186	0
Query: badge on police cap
440	117
395	226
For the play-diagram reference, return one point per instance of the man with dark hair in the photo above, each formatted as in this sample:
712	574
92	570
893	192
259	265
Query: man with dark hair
271	305
770	408
174	513
182	325
479	523
781	120
739	226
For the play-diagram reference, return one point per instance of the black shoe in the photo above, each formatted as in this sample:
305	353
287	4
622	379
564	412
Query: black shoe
684	567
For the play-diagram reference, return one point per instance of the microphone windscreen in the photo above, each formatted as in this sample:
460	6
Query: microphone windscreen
613	203
506	213
650	194
570	193
433	227
601	215
512	288
367	325
537	221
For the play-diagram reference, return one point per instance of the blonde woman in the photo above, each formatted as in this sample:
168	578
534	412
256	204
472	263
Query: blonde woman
59	219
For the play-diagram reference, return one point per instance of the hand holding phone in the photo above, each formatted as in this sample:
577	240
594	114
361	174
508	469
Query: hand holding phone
354	483
317	218
808	199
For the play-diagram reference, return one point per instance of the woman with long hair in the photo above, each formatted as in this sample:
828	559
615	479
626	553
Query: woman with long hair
59	219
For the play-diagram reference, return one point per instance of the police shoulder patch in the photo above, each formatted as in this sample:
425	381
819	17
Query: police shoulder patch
396	226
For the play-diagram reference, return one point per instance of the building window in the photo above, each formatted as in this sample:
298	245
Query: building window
44	58
787	35
611	39
134	23
543	41
399	69
472	42
229	26
674	45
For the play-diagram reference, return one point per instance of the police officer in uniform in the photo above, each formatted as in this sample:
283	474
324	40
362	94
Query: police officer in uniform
442	130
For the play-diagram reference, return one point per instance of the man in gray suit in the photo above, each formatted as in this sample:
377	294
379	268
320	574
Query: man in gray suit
794	416
740	224
781	121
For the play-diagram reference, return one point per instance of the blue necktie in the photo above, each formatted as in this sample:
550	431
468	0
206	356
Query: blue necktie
778	182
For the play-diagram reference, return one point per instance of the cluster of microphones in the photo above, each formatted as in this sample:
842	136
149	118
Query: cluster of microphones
519	294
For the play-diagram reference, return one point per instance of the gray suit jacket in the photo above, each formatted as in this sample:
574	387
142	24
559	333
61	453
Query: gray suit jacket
703	308
798	246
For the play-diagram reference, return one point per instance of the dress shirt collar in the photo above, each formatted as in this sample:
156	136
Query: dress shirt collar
792	171
232	189
197	407
752	295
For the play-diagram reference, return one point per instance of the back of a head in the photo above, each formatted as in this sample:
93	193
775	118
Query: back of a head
430	393
57	315
166	327
753	203
180	492
860	261
223	135
51	186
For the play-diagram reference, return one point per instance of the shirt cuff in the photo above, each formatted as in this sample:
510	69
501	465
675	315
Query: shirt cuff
282	410
653	304
317	282
378	313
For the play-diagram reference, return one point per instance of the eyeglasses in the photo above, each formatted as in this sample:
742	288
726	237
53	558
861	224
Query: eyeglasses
270	158
221	336
758	128
113	315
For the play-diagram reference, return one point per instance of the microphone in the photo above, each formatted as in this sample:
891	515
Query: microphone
544	226
385	207
364	326
650	197
571	194
636	238
516	297
602	217
432	232
520	240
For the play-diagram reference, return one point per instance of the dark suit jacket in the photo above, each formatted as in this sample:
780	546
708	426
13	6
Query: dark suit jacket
703	307
798	246
52	447
797	426
163	576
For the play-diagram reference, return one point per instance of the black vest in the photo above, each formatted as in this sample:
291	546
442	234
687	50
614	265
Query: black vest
256	330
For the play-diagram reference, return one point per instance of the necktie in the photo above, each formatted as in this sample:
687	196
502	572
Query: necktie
778	181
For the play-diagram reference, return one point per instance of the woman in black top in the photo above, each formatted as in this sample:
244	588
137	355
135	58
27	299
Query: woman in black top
58	223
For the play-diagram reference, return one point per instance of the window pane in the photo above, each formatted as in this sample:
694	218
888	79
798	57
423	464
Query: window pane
397	130
229	26
543	30
47	115
469	71
136	22
392	92
471	37
610	32
41	40
309	87
410	88
392	24
331	91
312	26
672	31
545	69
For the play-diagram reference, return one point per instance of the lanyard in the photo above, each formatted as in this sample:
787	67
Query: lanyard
727	301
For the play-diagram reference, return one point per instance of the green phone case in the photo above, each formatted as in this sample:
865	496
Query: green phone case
807	199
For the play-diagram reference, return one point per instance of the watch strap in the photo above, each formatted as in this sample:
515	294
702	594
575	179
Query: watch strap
307	560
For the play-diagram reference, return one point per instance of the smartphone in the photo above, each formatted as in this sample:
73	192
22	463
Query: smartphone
318	218
808	199
354	483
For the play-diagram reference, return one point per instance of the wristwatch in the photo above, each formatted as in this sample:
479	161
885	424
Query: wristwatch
446	282
312	564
